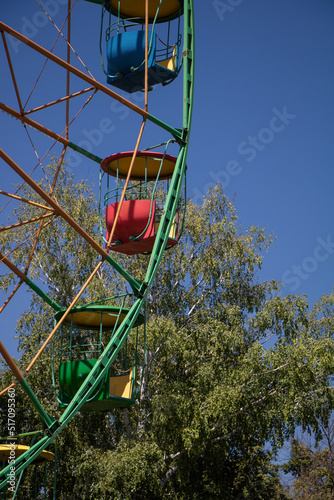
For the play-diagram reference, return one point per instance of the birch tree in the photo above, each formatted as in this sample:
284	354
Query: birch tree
231	364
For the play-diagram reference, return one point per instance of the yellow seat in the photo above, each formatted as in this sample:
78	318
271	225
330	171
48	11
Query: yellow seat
121	386
173	230
169	63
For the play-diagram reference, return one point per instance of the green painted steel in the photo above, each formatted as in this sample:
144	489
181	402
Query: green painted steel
23	434
84	152
176	133
189	65
180	167
100	370
42	294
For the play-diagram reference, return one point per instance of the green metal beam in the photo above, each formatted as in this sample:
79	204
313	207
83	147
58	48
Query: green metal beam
30	283
42	294
189	64
180	167
49	421
84	152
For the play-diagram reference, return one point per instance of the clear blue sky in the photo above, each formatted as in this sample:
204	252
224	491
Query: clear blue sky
262	122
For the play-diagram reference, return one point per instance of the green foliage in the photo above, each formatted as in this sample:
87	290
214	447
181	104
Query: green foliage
229	364
311	466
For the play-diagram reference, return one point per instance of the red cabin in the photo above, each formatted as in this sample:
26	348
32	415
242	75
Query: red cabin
139	219
136	227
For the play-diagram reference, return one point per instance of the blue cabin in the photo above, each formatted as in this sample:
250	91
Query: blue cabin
126	61
125	36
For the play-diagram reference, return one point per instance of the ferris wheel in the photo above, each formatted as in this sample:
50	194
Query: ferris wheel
144	45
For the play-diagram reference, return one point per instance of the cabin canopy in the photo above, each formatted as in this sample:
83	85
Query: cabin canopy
169	9
8	450
148	165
